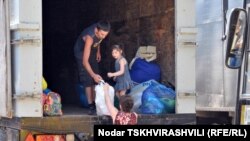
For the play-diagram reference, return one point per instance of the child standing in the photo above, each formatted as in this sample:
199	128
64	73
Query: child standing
121	76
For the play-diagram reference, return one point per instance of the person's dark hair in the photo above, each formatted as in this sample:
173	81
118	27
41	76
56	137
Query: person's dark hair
118	47
126	103
103	25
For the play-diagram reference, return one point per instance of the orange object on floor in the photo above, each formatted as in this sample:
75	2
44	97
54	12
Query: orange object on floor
50	138
29	137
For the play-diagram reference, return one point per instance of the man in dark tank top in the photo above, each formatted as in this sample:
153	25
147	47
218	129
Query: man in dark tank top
87	54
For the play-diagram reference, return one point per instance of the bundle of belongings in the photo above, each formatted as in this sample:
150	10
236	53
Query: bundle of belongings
151	97
51	101
143	67
101	108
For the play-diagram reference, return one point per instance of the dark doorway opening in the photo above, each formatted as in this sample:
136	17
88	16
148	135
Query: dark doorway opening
63	21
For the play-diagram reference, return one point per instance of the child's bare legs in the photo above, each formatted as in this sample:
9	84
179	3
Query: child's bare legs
119	94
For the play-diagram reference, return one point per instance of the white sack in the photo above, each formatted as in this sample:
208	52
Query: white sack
101	108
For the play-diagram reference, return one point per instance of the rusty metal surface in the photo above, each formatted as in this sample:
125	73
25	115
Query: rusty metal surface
85	123
169	119
61	124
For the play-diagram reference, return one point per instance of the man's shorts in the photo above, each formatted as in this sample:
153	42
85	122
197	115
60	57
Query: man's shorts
83	74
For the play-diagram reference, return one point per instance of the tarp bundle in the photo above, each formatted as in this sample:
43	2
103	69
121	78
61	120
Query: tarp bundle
151	97
158	99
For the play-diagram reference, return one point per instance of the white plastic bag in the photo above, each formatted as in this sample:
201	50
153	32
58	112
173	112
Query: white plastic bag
101	108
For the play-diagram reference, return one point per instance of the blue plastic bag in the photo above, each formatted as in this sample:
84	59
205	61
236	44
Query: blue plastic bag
82	96
136	94
142	71
158	99
46	91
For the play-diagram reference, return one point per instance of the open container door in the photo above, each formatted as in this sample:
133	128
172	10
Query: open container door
26	46
237	57
5	87
185	55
